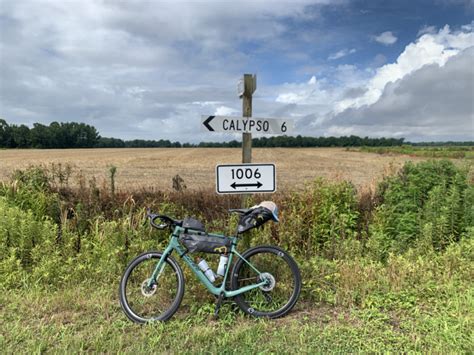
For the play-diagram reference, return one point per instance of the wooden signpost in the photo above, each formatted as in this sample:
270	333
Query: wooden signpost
246	178
250	85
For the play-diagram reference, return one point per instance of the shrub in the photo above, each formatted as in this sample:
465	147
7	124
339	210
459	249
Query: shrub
30	189
426	205
322	219
22	237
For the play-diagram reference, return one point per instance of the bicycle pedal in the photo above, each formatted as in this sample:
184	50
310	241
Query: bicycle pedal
219	301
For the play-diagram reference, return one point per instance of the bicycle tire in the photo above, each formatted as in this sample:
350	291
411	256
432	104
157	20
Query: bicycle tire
286	282
142	310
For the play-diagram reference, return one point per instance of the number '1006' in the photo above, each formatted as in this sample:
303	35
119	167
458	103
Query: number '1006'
247	173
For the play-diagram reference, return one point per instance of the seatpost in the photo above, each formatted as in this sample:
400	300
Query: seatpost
236	231
237	228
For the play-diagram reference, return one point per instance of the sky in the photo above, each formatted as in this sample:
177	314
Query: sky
150	69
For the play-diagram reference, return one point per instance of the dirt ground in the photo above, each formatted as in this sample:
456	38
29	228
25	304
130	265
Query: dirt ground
155	167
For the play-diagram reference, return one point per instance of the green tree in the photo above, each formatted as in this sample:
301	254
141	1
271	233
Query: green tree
21	136
40	136
5	134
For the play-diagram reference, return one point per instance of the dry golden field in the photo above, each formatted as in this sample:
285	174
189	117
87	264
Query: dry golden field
146	167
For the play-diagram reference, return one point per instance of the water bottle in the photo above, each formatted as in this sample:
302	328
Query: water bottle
207	270
222	265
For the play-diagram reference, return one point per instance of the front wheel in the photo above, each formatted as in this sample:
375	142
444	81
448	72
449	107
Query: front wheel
283	282
159	302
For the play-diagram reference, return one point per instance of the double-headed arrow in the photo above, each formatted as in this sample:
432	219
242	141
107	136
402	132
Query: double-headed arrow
258	184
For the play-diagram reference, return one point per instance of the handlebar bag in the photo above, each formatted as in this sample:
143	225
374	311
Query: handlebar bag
192	223
205	243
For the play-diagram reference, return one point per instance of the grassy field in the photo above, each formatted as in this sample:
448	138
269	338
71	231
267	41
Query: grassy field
89	319
145	168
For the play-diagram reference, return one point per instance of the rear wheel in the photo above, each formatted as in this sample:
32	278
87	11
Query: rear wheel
283	282
160	301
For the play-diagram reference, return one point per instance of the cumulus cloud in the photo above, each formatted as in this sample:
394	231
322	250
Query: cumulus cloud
427	29
342	53
307	93
379	60
432	102
425	94
387	38
225	111
428	49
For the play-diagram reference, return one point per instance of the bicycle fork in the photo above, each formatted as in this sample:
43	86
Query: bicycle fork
160	266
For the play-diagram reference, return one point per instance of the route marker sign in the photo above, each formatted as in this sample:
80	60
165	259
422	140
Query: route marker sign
245	178
246	125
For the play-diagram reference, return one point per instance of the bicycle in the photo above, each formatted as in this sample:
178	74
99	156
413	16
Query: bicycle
265	280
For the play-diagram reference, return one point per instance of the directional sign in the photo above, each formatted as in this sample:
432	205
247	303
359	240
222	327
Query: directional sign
244	124
245	178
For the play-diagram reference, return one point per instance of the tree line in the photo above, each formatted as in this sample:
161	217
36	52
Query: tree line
300	141
56	135
81	135
67	135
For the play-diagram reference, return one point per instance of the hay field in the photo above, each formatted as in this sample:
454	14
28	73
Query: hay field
155	167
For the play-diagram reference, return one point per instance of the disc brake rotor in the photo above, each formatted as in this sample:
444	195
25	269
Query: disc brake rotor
148	291
270	281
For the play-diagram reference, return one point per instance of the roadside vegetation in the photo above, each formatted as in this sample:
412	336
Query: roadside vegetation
454	152
383	270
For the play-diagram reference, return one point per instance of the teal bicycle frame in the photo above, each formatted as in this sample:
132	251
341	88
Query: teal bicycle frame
182	252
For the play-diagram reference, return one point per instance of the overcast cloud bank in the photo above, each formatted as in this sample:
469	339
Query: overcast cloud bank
139	70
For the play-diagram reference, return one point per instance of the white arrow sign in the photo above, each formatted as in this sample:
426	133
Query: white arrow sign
244	124
245	178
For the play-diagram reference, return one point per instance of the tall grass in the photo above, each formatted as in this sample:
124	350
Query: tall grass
397	261
95	231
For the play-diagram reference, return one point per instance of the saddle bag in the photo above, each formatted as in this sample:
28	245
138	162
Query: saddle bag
254	218
205	243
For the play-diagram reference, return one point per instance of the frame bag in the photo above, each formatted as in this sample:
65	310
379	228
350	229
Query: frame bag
205	243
